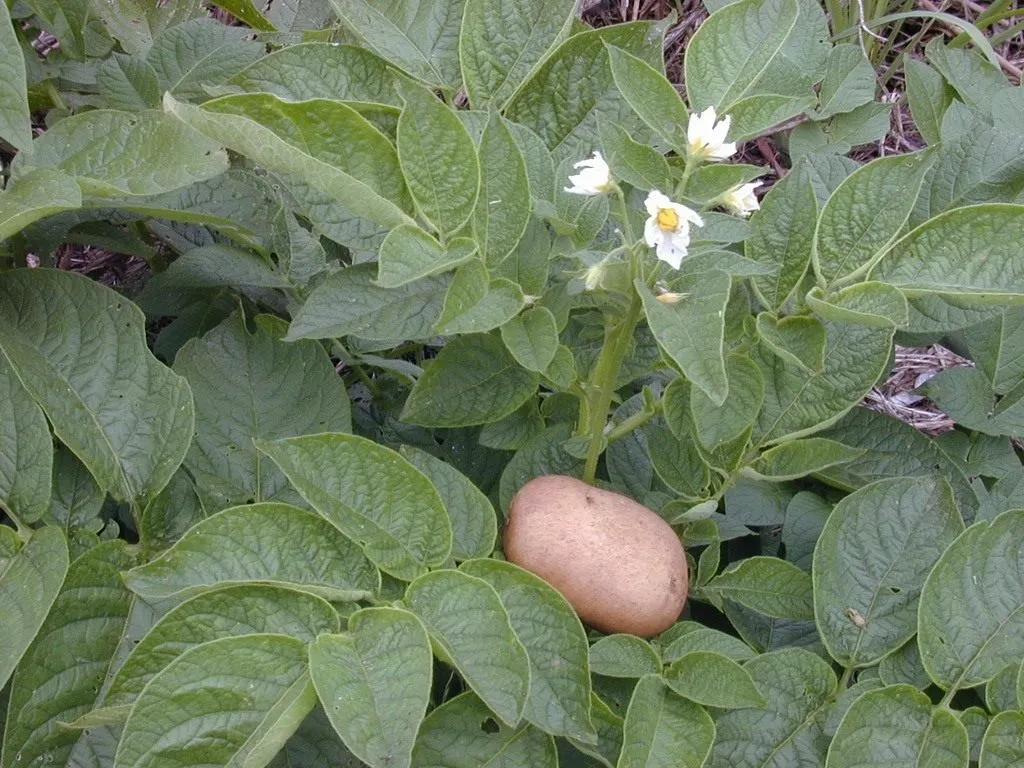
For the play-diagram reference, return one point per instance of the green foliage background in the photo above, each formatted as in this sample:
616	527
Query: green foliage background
221	552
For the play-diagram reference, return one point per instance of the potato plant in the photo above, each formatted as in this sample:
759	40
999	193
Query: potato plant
407	256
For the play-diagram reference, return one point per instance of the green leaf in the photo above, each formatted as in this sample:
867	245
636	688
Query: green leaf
515	430
135	23
127	83
213	266
302	139
572	89
1001	690
503	206
904	666
798	458
757	61
315	744
714	680
375	712
15	119
323	71
716	425
245	11
806	514
797	403
123	413
634	162
414	34
53	686
691	331
474	380
192	58
867	124
371	494
409	254
966	396
997	347
543	454
677	461
898	726
871	561
350	303
261	543
651	96
229	612
928	96
877	305
689	636
982	164
866	214
76	499
39	193
474	523
474	303
975	720
767	585
467	621
462	733
799	688
609	734
501	42
532	338
113	153
329	145
782	234
556	645
252	386
971	618
664	731
624	656
26	451
255	693
438	159
797	339
849	81
1001	747
940	255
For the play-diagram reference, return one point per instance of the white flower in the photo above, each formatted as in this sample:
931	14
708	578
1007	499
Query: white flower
741	200
707	139
668	228
594	179
593	276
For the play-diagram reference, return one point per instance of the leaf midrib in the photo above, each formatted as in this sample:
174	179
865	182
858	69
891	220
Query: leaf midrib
57	375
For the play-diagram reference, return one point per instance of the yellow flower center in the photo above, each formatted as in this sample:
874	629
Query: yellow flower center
667	219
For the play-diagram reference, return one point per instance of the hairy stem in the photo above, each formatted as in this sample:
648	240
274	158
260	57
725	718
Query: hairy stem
602	383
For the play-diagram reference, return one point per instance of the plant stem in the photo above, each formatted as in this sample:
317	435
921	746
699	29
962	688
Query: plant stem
606	372
844	681
24	532
635	421
627	224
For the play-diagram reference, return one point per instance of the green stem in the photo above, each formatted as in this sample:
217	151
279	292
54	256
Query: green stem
602	383
948	698
24	532
635	421
627	224
54	95
692	161
844	681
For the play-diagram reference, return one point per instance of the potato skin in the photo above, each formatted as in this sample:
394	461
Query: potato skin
620	565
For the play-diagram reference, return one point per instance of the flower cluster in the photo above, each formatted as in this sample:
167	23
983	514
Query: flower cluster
667	228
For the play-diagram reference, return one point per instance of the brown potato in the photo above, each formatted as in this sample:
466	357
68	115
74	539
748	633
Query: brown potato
620	565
